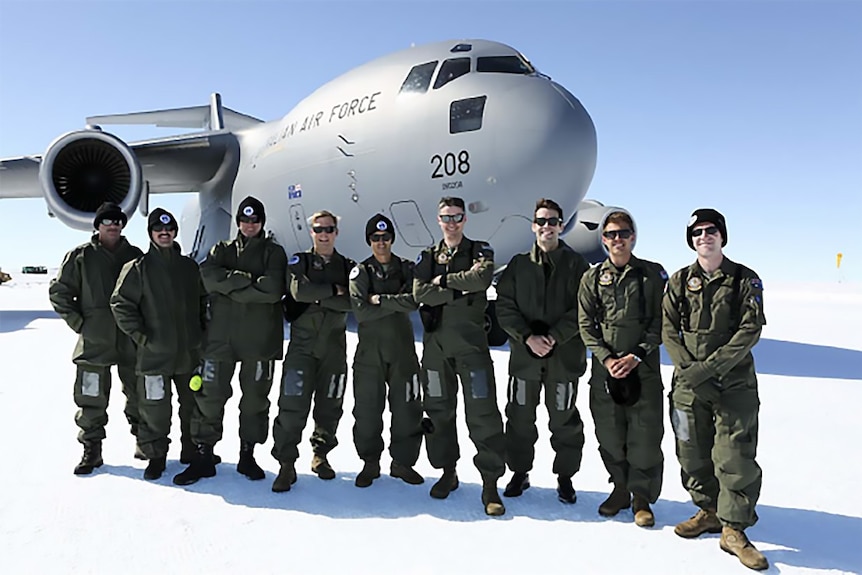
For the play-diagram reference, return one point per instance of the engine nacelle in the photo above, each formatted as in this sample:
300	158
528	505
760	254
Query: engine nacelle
584	234
82	169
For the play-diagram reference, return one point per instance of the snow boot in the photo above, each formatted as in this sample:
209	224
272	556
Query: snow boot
491	499
155	468
619	499
321	467
286	478
643	514
519	483
565	490
370	472
202	465
91	459
447	483
405	473
247	465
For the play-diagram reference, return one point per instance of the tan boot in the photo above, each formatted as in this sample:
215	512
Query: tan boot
704	521
619	499
643	514
286	478
321	467
491	500
736	543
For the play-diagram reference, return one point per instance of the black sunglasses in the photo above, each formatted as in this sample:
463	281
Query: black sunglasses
446	218
164	228
384	237
614	234
249	219
323	229
552	221
711	231
110	222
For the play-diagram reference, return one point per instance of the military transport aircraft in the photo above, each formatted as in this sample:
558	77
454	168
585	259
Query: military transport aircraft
468	118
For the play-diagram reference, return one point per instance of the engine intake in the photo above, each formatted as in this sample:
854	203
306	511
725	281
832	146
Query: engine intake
82	169
584	233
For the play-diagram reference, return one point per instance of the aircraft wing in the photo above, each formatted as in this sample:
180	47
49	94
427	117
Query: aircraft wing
173	164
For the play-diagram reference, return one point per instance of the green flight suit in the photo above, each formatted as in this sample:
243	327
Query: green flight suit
160	302
458	347
245	279
538	295
385	355
315	366
620	313
710	325
80	294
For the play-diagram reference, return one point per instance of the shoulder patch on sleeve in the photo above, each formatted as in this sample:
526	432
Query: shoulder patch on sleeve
294	259
662	273
354	273
756	283
419	257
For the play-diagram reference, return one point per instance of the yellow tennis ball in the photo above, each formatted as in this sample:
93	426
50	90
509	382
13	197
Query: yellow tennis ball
195	383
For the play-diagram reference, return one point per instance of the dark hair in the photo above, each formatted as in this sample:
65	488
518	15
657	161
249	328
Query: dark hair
451	201
548	205
620	218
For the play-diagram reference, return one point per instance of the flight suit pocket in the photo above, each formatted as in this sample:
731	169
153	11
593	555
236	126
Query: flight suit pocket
291	383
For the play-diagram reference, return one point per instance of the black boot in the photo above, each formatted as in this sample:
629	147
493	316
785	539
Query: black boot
405	473
91	459
565	490
370	472
519	483
202	465
447	483
247	465
619	499
155	468
187	453
320	465
286	478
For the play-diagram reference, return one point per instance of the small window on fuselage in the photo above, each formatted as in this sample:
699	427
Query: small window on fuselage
466	115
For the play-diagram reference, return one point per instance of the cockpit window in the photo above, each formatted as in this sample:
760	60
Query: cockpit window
504	65
466	115
419	78
451	69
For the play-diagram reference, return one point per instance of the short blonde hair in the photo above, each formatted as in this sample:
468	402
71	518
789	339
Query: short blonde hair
323	214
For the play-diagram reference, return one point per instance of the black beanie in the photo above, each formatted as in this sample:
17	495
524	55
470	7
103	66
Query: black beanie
378	223
251	207
109	210
706	216
625	391
161	216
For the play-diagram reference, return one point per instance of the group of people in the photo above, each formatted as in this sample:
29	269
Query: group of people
161	319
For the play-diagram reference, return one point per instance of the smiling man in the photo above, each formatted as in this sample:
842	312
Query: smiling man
713	317
537	305
620	321
81	295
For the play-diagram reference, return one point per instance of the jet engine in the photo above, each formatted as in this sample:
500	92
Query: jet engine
82	169
583	233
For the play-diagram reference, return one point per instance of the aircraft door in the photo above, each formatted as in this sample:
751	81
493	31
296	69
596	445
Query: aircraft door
300	227
410	225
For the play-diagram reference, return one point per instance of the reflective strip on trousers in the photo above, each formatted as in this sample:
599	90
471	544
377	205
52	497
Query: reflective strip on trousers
336	386
154	386
564	395
679	422
412	389
263	370
517	391
435	389
90	384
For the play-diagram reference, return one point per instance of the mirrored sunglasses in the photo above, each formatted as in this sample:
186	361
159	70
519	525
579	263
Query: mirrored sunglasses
553	221
384	237
164	228
710	231
446	218
249	219
614	234
110	222
323	229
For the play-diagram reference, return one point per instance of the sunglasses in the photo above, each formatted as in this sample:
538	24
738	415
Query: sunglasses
110	222
249	219
614	234
456	218
324	229
384	237
710	231
553	221
164	228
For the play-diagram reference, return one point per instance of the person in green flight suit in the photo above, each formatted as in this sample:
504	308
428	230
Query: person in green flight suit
620	320
381	291
450	281
315	365
160	302
245	279
712	318
537	306
80	294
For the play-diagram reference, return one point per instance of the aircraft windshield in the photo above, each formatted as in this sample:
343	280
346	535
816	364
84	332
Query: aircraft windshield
419	78
451	69
504	65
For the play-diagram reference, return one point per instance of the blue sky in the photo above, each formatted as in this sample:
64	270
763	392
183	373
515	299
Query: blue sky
754	108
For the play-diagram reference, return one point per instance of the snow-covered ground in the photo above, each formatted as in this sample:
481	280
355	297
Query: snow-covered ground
810	366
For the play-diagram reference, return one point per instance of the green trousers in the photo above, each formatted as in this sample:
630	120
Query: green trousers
439	376
154	392
92	392
564	422
405	404
716	444
305	378
255	382
630	437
